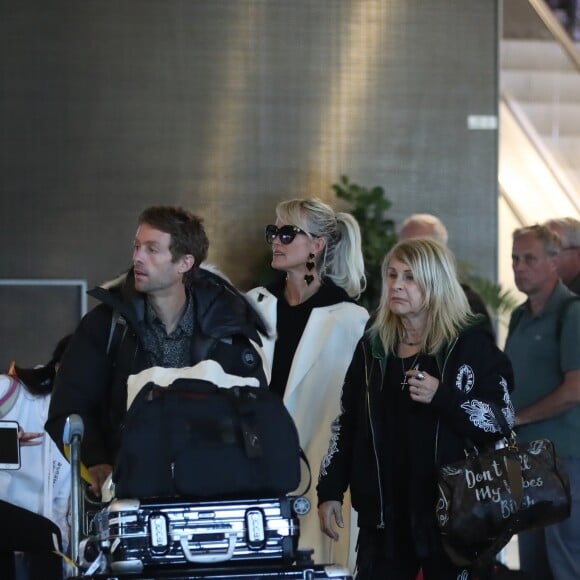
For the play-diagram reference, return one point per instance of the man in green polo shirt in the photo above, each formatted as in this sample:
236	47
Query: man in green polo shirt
546	360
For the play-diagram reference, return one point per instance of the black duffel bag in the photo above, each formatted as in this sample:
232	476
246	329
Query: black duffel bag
197	440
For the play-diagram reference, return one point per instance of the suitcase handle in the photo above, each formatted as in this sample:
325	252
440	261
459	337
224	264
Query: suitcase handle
208	558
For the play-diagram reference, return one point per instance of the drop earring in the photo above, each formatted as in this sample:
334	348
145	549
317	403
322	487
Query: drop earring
308	278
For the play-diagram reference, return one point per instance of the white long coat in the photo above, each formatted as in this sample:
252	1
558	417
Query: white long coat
313	395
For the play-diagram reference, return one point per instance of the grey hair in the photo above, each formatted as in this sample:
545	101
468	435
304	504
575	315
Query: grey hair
570	231
439	231
550	240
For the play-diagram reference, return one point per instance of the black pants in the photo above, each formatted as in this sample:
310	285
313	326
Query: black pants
24	531
374	564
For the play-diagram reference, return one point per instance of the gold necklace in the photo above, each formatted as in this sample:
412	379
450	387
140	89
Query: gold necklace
413	364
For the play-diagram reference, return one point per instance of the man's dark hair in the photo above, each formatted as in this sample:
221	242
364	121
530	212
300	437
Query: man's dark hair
185	228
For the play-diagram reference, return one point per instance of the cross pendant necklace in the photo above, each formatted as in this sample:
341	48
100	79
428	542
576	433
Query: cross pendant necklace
404	383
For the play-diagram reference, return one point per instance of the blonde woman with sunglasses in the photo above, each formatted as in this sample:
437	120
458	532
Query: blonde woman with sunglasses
316	323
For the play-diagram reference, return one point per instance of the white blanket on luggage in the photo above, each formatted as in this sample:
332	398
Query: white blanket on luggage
207	370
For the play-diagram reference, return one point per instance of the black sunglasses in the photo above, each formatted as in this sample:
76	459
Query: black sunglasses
286	234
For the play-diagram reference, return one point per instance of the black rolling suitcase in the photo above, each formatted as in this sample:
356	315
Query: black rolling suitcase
152	534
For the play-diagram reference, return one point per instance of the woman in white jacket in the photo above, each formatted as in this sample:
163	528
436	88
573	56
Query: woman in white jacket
317	325
35	498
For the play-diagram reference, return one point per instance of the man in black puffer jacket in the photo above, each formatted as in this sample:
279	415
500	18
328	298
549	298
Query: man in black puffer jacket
166	311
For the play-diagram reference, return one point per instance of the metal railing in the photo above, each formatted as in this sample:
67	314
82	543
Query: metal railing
557	30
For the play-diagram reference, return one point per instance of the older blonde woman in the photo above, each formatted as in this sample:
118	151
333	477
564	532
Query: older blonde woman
426	376
312	309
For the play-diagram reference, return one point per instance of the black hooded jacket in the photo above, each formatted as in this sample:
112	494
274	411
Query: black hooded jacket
475	381
92	379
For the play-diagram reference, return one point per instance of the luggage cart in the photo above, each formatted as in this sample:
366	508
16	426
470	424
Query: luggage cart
303	567
293	572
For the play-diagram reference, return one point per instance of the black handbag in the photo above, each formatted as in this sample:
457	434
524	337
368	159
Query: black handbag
197	440
490	496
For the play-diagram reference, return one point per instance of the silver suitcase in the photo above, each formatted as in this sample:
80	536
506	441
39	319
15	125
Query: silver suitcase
138	535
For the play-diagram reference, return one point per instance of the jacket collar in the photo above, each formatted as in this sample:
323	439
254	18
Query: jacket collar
559	294
378	350
121	295
219	308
